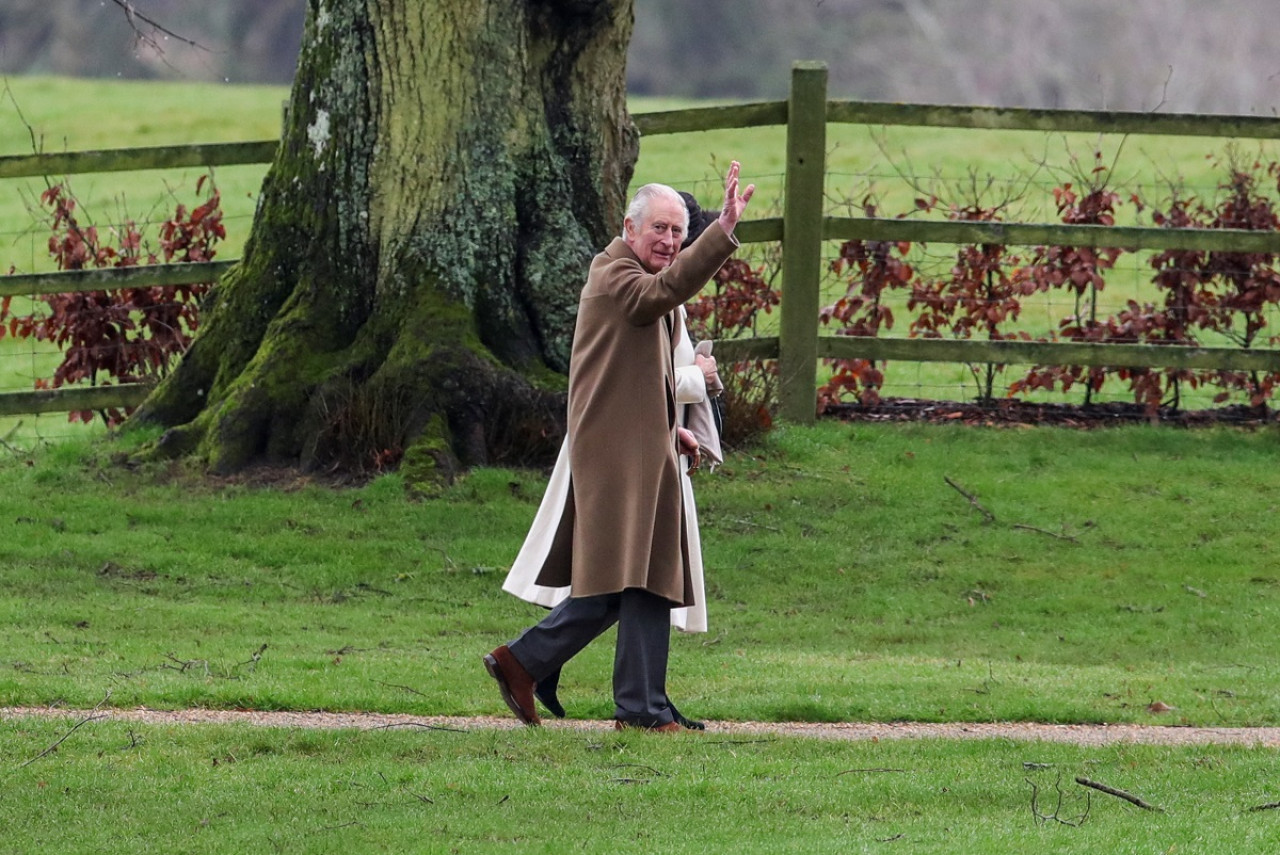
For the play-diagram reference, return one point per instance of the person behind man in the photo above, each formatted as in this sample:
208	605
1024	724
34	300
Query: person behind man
621	544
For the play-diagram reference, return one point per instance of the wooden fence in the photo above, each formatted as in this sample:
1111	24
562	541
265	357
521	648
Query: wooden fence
802	229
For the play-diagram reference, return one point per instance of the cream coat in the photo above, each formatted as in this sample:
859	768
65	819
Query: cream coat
620	521
691	388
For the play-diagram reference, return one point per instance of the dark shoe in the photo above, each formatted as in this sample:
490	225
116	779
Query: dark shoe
545	691
515	684
669	727
687	723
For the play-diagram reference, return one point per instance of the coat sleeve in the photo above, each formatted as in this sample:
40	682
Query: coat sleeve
645	297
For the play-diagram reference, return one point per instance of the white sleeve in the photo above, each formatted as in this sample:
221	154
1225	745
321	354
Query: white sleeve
691	384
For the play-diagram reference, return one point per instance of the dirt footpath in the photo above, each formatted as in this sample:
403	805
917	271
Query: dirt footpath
1076	734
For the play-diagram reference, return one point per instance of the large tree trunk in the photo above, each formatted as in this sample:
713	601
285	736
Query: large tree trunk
446	171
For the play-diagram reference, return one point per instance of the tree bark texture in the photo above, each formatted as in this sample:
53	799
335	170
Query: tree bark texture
446	171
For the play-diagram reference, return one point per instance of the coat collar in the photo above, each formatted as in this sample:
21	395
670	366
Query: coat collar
618	248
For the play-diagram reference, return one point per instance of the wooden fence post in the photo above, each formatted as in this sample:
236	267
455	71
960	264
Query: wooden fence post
802	241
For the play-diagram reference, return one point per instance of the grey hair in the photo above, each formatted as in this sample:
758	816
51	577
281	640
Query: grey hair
638	209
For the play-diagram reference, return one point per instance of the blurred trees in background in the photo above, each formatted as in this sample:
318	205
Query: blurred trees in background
1174	55
239	41
1171	55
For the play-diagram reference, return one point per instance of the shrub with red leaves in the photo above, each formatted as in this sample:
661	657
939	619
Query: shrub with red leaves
1218	294
129	335
732	308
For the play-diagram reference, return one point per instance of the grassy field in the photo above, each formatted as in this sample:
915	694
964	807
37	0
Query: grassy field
850	582
847	581
116	788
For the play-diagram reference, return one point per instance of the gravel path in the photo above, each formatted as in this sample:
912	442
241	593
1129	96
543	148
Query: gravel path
1077	734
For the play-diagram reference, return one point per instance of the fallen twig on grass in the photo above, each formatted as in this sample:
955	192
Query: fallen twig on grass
1045	531
184	665
1120	794
93	716
639	780
422	724
973	500
405	688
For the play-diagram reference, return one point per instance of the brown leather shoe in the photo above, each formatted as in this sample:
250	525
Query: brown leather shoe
515	684
669	727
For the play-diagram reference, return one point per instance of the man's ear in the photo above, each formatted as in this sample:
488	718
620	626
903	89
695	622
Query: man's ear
629	229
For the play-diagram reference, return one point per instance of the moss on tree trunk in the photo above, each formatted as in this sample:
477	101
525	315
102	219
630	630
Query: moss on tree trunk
447	169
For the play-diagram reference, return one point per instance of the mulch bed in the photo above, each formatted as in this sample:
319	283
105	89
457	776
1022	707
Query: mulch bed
1013	413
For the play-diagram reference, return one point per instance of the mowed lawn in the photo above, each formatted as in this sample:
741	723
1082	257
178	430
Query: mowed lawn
848	580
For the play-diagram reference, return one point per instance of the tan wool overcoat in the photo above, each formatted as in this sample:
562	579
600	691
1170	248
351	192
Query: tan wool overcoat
522	578
623	525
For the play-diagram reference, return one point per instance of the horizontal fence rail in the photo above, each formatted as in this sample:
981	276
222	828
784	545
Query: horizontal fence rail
1048	234
112	278
129	159
73	399
805	114
1048	353
1014	353
1061	121
759	115
763	114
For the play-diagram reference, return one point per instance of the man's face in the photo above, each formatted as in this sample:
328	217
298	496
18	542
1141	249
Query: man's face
656	241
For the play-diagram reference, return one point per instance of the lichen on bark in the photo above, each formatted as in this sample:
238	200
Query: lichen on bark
408	290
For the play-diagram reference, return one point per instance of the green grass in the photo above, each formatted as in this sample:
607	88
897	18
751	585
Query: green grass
116	787
847	581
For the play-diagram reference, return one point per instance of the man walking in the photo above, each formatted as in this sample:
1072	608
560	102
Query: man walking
620	544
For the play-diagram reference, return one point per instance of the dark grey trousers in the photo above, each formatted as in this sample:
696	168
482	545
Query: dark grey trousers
639	660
